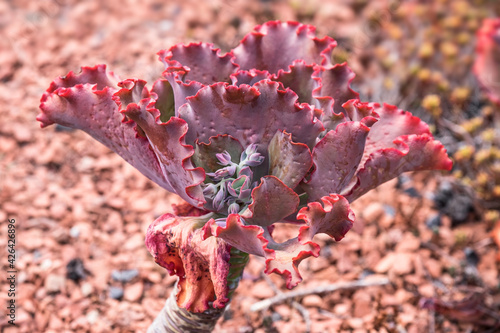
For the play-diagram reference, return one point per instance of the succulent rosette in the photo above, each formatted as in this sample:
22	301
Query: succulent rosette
487	64
270	132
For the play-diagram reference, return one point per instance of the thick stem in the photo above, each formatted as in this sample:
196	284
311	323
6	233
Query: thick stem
173	319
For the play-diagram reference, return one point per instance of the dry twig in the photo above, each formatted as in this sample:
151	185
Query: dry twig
280	298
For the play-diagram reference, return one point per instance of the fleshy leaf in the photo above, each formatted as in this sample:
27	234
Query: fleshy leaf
336	158
97	75
281	258
392	123
178	244
335	84
167	141
412	153
334	218
205	157
487	64
85	101
200	61
181	89
249	114
246	238
289	161
132	91
249	77
276	45
287	257
165	103
271	202
299	79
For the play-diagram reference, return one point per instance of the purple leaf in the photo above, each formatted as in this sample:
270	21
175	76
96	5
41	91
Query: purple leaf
200	61
249	114
299	79
276	45
165	103
392	123
246	238
335	84
85	101
288	161
336	158
334	218
249	77
271	202
280	258
167	141
411	153
287	257
181	89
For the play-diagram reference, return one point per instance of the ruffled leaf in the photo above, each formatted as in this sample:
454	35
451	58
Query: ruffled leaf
246	238
487	64
287	257
202	265
299	79
271	202
412	153
289	161
165	102
392	123
336	158
200	61
249	114
335	87
85	101
334	218
276	45
181	89
167	141
249	77
280	258
97	75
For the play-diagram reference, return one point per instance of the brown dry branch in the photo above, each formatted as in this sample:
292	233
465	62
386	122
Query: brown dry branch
262	305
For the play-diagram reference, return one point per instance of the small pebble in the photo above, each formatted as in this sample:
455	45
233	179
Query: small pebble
74	232
471	256
54	283
434	222
124	275
75	270
115	292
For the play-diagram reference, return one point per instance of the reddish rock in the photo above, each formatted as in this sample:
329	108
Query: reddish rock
134	292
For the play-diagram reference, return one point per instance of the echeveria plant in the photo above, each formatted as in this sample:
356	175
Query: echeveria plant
267	133
487	65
